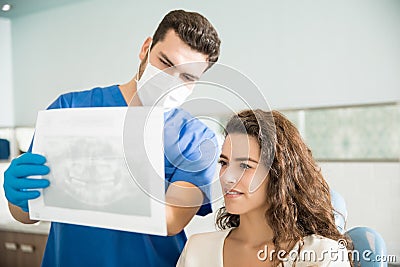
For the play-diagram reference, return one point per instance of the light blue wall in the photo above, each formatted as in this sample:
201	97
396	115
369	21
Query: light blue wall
6	92
300	53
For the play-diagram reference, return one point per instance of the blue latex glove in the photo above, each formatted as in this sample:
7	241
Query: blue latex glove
17	187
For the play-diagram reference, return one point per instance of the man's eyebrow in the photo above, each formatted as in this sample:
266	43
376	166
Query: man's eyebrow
164	56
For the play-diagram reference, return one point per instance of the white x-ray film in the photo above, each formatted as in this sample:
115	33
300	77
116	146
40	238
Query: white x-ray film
104	171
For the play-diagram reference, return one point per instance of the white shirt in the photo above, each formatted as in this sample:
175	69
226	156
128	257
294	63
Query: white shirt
206	249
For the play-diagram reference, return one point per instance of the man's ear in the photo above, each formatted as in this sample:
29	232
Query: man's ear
145	47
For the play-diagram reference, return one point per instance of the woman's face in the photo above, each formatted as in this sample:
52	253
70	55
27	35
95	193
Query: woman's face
242	175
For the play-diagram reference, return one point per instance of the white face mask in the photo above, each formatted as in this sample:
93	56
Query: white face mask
158	88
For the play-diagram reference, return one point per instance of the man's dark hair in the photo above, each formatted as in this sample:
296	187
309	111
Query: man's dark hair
194	29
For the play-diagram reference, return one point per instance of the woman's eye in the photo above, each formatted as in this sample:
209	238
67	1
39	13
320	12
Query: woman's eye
222	162
244	166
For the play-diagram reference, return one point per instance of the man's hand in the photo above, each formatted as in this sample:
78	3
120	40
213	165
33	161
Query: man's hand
17	187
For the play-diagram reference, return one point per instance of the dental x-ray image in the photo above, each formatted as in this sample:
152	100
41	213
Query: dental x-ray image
91	180
91	174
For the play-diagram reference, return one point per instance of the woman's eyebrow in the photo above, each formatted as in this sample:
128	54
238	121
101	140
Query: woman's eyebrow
239	159
246	159
223	156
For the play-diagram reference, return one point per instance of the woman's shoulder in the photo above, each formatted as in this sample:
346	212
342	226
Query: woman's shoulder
321	243
321	251
203	249
209	237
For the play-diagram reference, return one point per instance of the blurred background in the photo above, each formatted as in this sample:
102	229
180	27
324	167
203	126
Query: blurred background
333	67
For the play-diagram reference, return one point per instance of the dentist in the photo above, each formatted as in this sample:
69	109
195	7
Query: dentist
181	37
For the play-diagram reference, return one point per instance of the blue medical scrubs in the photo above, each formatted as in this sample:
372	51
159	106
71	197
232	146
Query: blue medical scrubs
184	137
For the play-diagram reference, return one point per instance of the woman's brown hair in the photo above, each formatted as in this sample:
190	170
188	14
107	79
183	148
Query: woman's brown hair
298	197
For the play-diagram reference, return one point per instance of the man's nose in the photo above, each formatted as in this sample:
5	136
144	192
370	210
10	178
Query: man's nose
172	71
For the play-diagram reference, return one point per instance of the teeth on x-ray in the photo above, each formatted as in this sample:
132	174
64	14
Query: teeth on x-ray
91	180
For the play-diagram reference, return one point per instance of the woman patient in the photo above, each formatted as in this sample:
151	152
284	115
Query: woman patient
278	210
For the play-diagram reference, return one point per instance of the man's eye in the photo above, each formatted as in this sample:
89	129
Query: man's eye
188	78
245	166
165	63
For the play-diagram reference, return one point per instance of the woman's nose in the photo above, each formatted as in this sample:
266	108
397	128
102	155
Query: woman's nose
229	176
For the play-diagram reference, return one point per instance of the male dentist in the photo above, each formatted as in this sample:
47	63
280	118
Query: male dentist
181	37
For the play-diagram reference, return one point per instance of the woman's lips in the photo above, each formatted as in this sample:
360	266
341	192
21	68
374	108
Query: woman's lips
233	193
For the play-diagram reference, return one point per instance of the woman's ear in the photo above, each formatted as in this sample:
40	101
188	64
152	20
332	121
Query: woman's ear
145	48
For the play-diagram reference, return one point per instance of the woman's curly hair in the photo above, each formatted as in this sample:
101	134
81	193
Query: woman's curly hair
298	197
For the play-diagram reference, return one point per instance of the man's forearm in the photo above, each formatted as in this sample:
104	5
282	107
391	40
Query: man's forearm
183	200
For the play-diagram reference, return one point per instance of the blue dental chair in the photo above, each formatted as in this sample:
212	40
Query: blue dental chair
369	247
365	240
4	149
340	211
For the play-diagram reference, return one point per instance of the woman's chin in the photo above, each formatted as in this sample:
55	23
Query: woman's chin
233	210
